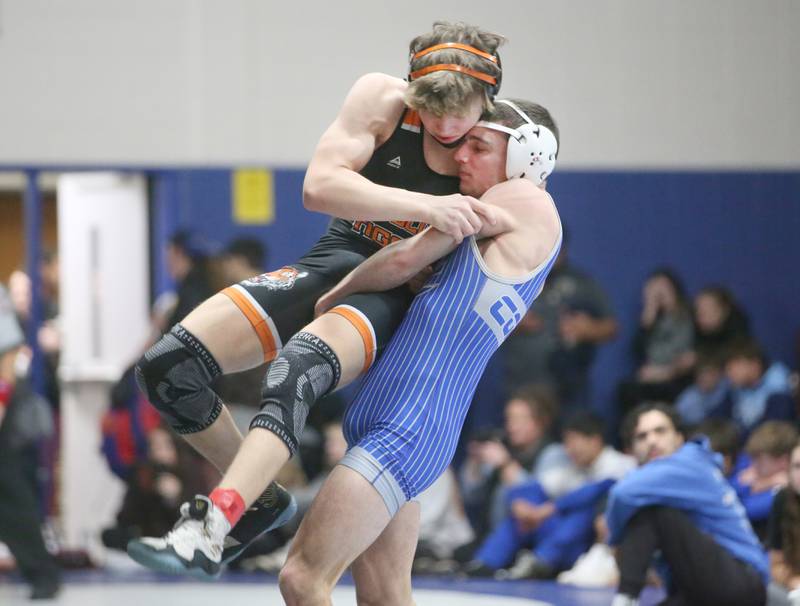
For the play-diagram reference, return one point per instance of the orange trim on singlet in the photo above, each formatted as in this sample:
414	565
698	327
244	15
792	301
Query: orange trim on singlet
363	329
452	67
412	118
257	321
456	45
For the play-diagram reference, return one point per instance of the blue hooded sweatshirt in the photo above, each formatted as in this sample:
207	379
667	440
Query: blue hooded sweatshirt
690	480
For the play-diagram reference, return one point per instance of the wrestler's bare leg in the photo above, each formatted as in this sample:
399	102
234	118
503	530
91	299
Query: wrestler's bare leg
346	517
382	573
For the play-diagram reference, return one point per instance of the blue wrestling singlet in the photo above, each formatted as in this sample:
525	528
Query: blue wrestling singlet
404	423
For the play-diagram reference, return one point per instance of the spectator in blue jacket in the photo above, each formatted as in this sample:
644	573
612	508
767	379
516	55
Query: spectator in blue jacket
678	504
761	390
707	393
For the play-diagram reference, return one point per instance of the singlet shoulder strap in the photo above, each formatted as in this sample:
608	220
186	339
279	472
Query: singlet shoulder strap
411	121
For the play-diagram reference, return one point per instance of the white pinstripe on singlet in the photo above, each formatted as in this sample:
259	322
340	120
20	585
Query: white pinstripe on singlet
411	406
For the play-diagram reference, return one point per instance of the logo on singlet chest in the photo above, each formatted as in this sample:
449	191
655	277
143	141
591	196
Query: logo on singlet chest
500	307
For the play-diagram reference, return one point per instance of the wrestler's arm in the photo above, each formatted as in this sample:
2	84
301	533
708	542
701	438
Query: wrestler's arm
397	263
334	186
391	266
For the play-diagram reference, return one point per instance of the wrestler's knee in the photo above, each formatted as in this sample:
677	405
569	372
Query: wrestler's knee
174	376
300	583
306	369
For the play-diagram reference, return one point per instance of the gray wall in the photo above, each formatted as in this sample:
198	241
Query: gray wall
633	84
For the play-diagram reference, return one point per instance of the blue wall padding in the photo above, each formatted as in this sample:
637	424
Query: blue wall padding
737	229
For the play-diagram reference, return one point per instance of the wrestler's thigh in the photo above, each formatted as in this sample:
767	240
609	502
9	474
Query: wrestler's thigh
382	574
345	518
224	330
359	327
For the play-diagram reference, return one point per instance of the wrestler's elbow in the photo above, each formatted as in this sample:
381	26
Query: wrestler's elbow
317	188
312	193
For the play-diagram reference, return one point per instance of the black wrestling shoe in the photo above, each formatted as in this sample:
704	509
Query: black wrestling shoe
271	510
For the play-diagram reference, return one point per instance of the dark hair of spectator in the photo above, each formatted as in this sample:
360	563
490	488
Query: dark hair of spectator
541	400
677	284
189	244
251	249
746	349
585	423
631	420
723	434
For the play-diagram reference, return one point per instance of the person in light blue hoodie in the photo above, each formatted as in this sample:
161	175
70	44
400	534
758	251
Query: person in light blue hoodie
761	390
708	391
678	506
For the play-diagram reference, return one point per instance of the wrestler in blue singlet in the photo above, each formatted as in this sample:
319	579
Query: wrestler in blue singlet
404	423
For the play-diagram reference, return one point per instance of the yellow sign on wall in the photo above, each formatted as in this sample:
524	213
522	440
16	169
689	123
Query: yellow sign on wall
253	197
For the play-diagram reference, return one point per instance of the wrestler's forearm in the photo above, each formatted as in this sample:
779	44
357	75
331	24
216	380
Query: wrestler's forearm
396	264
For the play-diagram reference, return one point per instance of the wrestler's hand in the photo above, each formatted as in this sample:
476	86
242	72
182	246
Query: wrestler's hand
459	216
328	300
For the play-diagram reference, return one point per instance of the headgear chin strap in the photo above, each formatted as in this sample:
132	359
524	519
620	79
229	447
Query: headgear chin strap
531	150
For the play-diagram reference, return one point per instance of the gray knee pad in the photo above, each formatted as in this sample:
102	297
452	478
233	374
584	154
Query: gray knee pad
174	375
306	370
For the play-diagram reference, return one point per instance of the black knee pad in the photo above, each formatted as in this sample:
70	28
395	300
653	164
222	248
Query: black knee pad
306	370
174	375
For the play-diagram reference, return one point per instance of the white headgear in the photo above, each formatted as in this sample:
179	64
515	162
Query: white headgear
531	147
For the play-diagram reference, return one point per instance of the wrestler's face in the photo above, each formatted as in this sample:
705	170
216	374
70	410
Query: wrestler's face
481	160
449	129
655	436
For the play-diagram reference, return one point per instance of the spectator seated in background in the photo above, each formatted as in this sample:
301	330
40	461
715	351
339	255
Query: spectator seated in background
553	516
707	393
443	525
679	506
663	343
760	390
769	447
496	461
597	567
125	426
556	341
719	321
783	536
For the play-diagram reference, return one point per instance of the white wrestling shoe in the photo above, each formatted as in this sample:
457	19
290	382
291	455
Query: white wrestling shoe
193	546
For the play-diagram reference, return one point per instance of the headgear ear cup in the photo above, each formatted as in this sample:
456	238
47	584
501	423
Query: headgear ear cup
532	154
532	148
